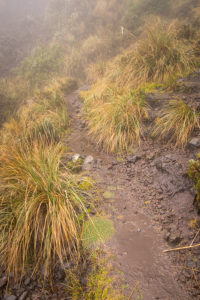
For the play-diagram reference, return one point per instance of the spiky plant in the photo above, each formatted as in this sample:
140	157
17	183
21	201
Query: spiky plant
177	123
40	205
116	118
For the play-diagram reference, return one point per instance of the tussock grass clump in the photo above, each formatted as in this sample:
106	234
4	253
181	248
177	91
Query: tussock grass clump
45	120
177	123
115	118
40	205
159	56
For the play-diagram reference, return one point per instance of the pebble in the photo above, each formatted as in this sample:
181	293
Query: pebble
88	160
3	282
23	296
9	297
27	281
75	157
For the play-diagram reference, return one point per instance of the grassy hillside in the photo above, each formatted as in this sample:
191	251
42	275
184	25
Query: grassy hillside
125	50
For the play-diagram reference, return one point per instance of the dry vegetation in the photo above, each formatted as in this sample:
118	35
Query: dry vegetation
116	118
161	56
42	204
177	123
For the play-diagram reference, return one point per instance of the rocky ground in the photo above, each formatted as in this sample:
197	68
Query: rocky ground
150	199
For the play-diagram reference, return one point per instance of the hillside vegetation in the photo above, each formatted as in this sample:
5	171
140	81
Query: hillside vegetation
124	50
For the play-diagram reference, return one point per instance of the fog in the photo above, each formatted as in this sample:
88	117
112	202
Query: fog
21	23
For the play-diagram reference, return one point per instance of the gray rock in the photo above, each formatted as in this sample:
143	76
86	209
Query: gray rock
88	160
9	297
27	281
75	157
195	141
133	159
3	282
23	296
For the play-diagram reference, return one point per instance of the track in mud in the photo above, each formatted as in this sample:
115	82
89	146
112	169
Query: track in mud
137	244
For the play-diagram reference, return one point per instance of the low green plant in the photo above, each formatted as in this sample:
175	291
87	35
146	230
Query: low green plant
97	230
116	118
194	174
75	167
100	282
177	123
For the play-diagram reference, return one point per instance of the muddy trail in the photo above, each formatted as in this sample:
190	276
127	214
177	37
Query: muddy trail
148	197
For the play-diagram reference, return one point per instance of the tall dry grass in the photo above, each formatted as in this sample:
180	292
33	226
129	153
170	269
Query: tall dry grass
116	118
40	204
177	123
158	56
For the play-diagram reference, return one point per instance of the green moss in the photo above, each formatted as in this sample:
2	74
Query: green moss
108	195
151	87
194	174
86	184
75	167
98	283
97	230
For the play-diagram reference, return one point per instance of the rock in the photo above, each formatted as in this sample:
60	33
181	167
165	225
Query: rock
133	159
88	160
3	282
174	238
23	296
27	281
195	141
9	297
75	157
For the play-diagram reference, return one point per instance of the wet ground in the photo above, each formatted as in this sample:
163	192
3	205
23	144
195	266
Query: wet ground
150	201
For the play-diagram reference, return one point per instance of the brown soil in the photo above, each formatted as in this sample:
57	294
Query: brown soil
152	209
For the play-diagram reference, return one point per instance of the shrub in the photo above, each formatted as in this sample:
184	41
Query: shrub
13	90
138	11
42	65
115	118
177	123
40	205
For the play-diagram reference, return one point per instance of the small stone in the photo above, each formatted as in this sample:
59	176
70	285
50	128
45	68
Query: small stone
88	160
75	157
3	282
27	281
195	141
23	296
133	159
9	297
138	230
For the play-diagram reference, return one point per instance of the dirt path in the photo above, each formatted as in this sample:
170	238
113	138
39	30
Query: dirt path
137	244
